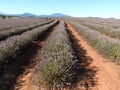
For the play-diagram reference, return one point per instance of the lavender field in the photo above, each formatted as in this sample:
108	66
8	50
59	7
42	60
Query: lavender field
53	52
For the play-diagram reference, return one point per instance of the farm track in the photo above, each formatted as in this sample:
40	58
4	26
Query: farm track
105	75
16	73
86	73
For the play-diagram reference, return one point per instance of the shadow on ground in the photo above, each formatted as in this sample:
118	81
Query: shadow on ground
85	74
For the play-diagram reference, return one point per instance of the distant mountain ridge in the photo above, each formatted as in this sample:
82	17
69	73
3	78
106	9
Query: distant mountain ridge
26	15
1	13
52	15
55	15
33	15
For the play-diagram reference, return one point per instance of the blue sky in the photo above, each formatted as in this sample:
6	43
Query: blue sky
78	8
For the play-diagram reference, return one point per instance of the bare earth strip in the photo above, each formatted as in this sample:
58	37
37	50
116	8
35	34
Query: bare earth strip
107	76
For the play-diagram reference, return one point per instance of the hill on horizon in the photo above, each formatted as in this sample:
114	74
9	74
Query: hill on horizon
34	15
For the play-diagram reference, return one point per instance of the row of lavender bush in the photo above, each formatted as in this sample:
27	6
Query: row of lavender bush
7	33
55	69
109	31
106	46
113	23
12	45
7	24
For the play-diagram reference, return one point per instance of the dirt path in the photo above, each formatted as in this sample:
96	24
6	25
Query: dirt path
107	75
23	82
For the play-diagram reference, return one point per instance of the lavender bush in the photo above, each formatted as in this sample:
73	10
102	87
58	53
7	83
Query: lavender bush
7	24
55	69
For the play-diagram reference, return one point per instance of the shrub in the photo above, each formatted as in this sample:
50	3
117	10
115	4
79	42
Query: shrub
55	70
